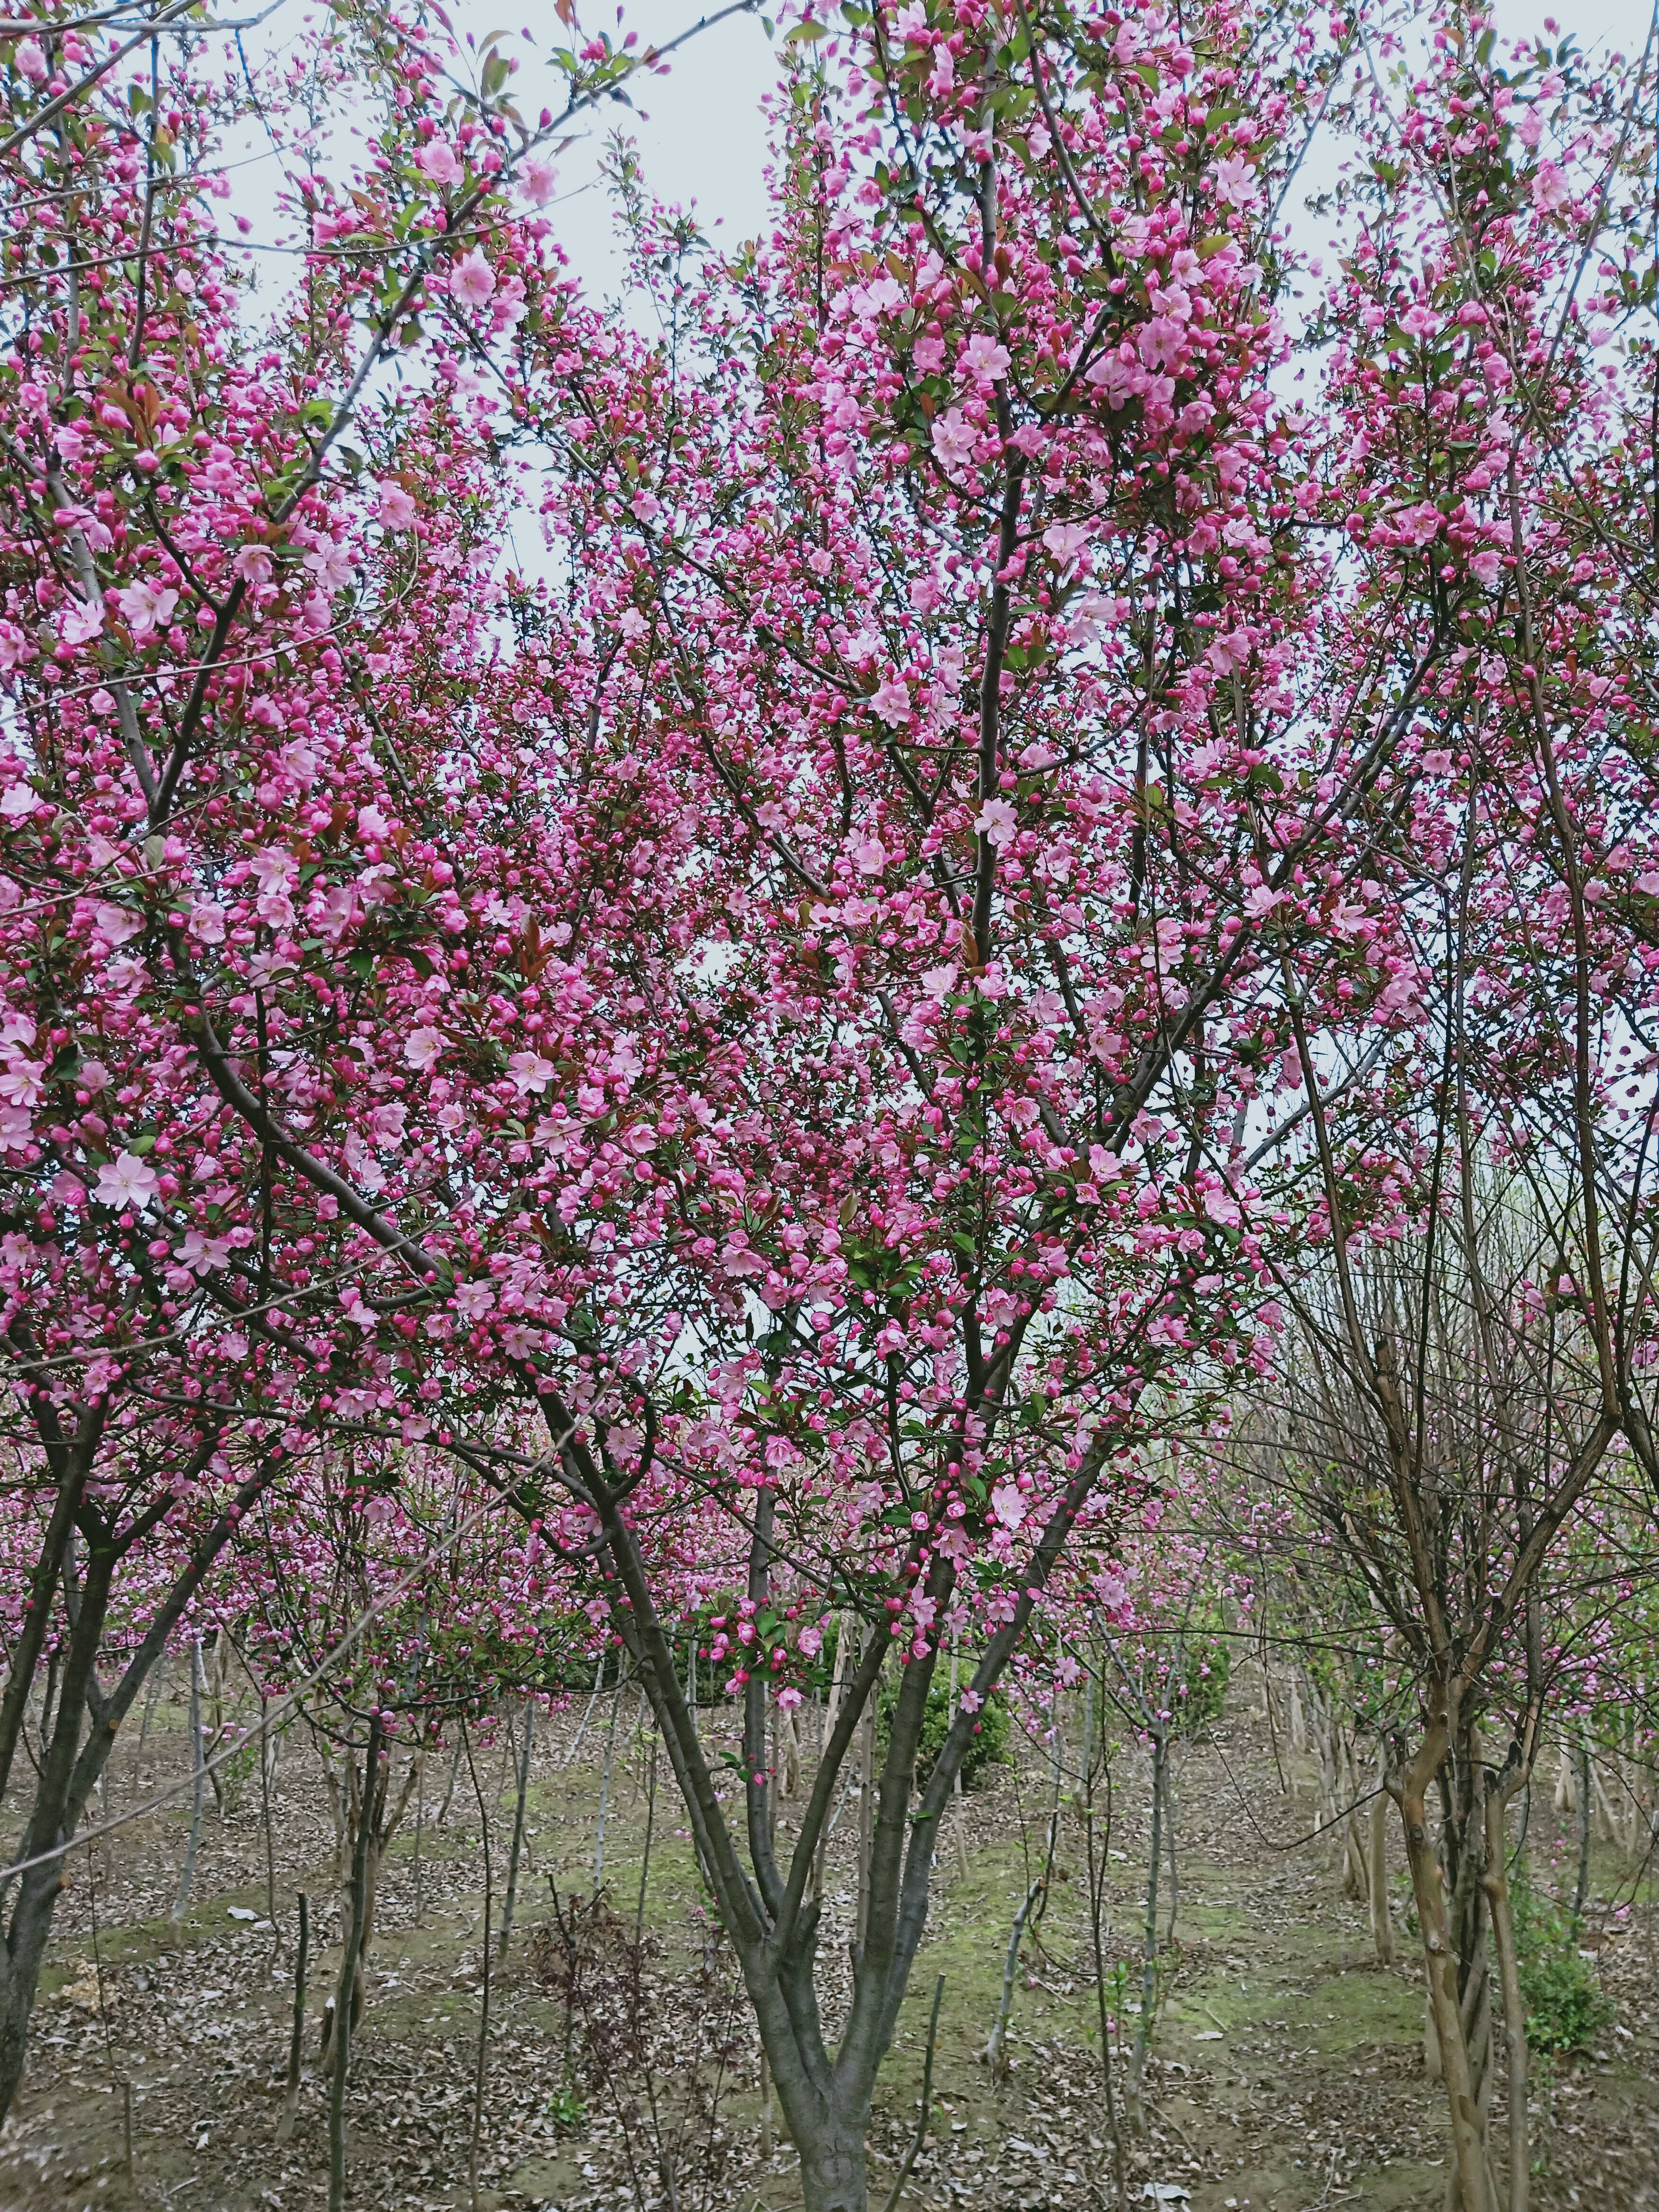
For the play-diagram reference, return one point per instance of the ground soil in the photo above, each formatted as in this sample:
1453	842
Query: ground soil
1287	2070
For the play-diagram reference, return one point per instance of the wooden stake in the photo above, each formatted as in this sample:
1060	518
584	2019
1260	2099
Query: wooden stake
483	2016
296	2040
914	2151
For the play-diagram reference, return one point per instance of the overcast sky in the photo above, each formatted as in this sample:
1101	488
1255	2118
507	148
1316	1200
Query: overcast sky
702	137
700	132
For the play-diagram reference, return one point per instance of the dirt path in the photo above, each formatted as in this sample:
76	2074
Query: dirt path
1286	2071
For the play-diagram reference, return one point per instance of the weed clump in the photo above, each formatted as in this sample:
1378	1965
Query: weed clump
1566	2005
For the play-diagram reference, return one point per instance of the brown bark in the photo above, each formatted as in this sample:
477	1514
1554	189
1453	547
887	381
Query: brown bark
1496	1884
1382	1922
296	2041
1441	1965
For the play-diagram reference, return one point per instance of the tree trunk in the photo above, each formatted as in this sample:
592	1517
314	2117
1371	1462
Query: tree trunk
832	2171
1096	1931
65	1782
217	1727
1581	1892
186	1880
1382	1922
996	2048
475	2132
296	2040
512	1897
788	1756
1515	2011
605	1787
1132	2090
31	1924
345	1994
1440	1960
449	1788
770	1911
831	1710
867	1817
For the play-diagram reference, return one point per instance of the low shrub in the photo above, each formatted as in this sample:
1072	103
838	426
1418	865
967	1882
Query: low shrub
1566	2005
988	1747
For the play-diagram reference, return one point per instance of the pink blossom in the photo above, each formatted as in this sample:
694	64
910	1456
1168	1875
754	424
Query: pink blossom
531	1073
116	925
202	1254
397	509
738	1260
1066	540
996	820
954	439
984	359
21	1083
147	608
437	161
891	701
387	1125
274	868
331	564
83	620
538	179
1550	188
473	281
127	1180
1234	181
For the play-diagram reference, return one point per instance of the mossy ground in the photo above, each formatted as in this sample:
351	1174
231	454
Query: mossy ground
1285	2074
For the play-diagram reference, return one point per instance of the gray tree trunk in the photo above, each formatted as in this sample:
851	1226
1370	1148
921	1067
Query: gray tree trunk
186	1880
511	1898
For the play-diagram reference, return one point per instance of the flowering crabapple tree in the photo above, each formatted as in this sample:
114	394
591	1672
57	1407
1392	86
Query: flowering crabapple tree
953	755
1481	1337
212	843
